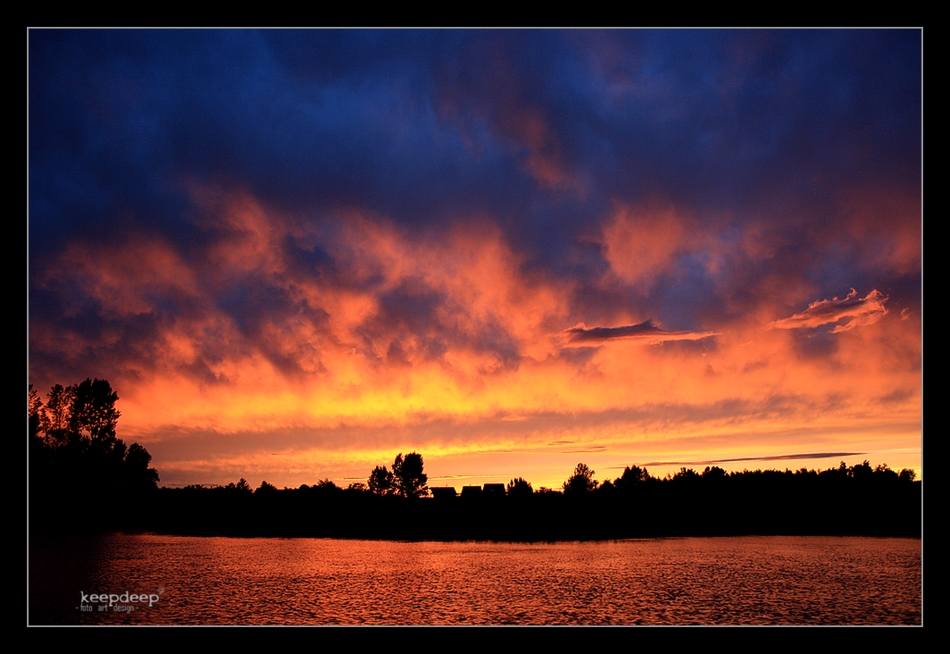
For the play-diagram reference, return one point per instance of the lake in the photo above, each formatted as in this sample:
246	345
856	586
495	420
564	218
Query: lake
168	580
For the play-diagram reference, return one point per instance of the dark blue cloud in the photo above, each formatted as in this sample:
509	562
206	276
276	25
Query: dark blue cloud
646	331
419	124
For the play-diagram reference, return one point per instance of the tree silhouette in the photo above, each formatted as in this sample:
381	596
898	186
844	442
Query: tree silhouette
861	472
55	419
241	487
94	416
138	475
632	477
408	478
76	446
34	412
380	481
582	481
714	472
519	488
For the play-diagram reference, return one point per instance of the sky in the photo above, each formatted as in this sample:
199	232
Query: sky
296	254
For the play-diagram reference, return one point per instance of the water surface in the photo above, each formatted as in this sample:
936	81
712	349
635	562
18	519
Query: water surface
750	580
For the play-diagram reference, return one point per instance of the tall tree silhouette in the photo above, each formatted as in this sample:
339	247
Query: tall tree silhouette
55	418
74	452
34	412
408	477
381	481
94	416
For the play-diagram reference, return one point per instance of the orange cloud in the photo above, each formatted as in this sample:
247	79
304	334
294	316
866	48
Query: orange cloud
852	310
124	280
641	243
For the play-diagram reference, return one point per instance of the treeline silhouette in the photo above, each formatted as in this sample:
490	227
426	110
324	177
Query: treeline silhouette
848	501
84	478
81	476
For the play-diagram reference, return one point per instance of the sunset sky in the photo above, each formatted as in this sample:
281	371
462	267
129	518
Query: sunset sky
295	254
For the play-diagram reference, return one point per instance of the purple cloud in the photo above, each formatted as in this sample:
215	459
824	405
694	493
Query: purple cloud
581	335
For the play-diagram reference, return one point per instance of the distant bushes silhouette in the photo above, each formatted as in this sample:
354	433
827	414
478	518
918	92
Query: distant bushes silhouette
856	500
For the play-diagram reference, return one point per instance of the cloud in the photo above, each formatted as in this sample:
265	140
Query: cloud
850	312
586	450
581	335
641	244
777	457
